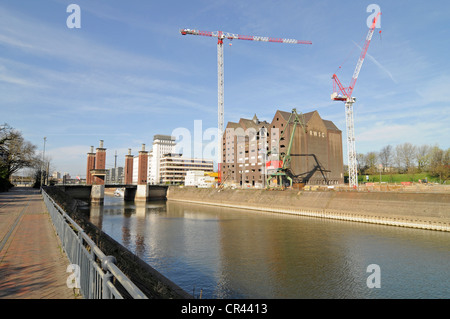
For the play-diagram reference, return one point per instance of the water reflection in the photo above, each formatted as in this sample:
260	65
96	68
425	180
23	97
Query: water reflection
231	253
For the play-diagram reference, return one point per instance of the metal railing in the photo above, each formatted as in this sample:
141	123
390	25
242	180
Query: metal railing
95	273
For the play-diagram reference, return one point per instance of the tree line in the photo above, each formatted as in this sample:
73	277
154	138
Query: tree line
16	153
407	158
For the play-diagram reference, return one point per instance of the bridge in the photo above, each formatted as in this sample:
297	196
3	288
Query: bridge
94	189
84	192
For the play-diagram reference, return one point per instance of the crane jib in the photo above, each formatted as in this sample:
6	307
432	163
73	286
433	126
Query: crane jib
221	36
231	36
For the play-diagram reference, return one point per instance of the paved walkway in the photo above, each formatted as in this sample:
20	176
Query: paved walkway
32	262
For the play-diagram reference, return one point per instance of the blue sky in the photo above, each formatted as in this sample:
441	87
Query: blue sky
128	74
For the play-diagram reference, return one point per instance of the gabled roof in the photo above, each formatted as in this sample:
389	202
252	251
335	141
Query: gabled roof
286	115
246	123
257	124
307	116
330	125
233	125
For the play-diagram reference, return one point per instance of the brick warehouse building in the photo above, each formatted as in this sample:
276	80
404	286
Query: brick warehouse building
317	156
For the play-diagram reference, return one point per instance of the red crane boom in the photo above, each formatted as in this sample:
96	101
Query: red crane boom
346	96
347	92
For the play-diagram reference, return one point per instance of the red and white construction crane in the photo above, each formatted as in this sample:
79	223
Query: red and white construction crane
220	35
345	95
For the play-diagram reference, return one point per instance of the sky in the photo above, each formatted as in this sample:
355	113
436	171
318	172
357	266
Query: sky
127	74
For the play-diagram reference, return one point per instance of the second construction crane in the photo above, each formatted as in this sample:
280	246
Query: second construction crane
345	95
220	35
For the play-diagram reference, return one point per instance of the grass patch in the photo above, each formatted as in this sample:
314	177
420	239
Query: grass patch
398	178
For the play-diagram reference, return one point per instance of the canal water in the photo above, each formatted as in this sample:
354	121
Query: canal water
232	253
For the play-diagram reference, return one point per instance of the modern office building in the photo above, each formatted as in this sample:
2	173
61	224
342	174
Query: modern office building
173	167
166	167
162	144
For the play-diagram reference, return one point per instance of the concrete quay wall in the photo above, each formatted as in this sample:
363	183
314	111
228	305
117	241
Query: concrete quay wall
417	210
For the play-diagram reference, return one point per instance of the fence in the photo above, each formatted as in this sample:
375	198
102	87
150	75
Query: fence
95	273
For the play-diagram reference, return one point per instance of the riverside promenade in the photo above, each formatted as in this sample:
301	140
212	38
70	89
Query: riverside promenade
32	262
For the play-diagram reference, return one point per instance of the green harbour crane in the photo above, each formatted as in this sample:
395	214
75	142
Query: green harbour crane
283	173
283	165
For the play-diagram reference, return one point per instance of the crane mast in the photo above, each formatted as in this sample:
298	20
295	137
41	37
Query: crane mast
346	96
220	105
220	73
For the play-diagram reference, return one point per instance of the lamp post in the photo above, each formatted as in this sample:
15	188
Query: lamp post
42	164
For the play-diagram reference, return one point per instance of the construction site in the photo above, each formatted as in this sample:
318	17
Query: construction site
294	150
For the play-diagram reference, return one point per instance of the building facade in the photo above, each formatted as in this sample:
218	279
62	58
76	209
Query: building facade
252	148
199	179
162	144
163	165
245	144
114	175
174	167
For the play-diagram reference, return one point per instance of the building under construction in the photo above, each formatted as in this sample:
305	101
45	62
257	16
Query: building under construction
294	149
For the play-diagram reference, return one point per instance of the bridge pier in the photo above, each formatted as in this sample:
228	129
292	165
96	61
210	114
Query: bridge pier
97	194
142	193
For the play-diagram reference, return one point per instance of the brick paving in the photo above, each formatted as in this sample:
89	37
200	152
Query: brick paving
32	262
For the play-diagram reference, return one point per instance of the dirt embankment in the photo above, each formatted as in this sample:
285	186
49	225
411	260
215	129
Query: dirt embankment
420	210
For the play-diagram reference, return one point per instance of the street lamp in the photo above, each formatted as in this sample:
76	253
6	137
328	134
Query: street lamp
42	164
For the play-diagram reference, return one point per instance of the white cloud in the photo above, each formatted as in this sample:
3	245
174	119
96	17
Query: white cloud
43	40
436	90
378	64
69	158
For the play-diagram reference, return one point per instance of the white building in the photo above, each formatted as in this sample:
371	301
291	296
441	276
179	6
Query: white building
199	179
56	175
162	144
166	167
135	169
173	167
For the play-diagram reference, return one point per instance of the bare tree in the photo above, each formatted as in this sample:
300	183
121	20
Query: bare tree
15	152
385	156
405	155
